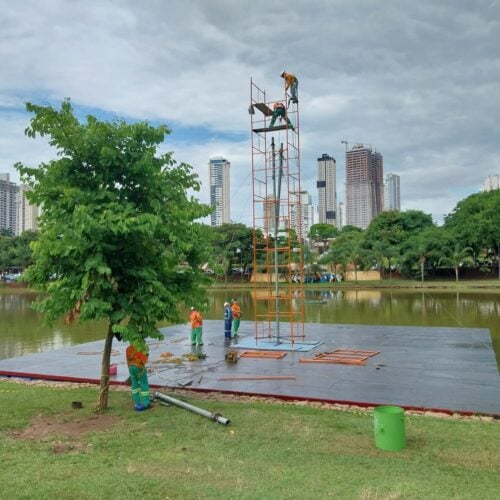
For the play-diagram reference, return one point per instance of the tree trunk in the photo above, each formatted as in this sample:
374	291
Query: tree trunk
102	403
456	273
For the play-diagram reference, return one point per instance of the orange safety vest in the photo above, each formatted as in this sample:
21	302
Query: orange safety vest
289	79
236	311
196	319
135	357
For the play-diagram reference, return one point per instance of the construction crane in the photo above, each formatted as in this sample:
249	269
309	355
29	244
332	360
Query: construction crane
358	143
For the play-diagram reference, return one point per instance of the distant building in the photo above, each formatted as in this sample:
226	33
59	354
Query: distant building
219	169
340	215
301	213
392	192
491	183
8	203
327	190
27	214
364	185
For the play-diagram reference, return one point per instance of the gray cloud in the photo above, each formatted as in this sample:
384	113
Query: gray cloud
417	80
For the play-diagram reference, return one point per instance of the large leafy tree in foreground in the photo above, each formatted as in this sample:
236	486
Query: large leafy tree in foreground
117	237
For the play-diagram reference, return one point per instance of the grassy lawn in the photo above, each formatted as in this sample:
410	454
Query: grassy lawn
268	451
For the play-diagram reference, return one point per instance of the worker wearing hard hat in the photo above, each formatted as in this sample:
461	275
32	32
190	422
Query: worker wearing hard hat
228	320
291	83
196	321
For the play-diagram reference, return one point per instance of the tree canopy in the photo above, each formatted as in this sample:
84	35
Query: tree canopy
117	233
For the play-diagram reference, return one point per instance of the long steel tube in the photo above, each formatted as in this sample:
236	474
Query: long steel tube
216	417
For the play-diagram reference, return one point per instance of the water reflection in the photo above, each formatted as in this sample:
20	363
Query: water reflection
22	332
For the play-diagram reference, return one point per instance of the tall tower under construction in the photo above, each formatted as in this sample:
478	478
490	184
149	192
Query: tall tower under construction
364	185
278	239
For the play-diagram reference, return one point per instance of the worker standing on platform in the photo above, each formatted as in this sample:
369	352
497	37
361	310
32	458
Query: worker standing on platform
236	316
279	111
228	320
291	83
196	321
137	357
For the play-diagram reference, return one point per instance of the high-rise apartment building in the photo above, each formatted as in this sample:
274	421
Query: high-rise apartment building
27	214
491	183
301	213
392	192
8	203
219	169
327	190
364	185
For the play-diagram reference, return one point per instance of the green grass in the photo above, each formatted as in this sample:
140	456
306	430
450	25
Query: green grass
268	451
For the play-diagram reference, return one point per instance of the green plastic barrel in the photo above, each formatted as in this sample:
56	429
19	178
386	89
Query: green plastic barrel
389	428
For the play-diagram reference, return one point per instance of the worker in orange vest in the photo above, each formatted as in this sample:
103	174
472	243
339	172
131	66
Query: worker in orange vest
196	321
236	316
137	357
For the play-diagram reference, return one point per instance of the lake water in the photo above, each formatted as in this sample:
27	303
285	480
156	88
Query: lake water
22	332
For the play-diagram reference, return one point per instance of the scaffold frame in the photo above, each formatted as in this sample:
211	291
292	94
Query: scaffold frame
278	266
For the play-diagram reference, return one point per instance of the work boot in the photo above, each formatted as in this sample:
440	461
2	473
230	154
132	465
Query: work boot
139	407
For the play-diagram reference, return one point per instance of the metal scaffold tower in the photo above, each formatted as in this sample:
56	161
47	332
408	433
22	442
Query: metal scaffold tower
277	218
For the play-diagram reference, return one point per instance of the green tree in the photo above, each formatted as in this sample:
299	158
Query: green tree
475	223
424	249
321	233
384	253
457	257
232	247
348	249
117	228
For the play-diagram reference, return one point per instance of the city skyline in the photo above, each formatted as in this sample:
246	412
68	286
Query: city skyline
416	80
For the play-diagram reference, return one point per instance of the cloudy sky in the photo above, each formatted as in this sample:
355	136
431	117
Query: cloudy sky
418	80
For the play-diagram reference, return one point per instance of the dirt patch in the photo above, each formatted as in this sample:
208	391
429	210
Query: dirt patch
42	427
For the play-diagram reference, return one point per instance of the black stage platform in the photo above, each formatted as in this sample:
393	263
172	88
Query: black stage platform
441	369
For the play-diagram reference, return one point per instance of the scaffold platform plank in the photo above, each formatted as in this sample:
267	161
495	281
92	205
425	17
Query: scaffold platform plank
271	129
264	108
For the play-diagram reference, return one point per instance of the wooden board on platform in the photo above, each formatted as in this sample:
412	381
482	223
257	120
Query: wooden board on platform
264	108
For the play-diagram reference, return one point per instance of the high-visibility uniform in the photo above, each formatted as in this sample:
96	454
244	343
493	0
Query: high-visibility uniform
196	321
236	317
228	320
291	83
136	362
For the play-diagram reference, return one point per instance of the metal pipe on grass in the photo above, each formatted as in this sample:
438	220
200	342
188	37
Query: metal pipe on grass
216	417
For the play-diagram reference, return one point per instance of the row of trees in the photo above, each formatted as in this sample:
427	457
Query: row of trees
407	242
411	243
